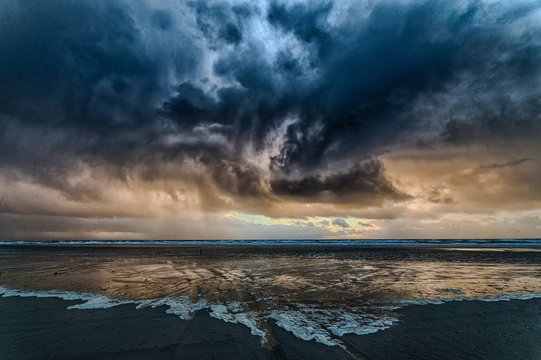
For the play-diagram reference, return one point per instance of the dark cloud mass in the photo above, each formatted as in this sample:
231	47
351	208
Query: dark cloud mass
363	182
263	101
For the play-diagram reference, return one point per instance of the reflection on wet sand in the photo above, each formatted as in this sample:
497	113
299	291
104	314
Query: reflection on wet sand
339	291
322	277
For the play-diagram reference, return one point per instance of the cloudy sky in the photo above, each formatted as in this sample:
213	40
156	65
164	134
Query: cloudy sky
179	119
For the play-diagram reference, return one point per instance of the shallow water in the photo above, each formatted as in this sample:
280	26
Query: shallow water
317	293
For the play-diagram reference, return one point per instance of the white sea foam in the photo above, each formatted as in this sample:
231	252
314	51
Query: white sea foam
234	312
306	323
98	302
180	306
325	326
90	301
360	324
303	327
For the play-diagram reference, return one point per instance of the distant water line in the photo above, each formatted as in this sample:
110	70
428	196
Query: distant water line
451	243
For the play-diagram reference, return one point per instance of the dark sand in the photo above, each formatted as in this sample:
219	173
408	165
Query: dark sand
459	330
32	328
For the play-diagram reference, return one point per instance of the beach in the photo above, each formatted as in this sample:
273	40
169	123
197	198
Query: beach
132	301
32	328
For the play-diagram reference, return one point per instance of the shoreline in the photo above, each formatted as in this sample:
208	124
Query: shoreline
531	244
183	308
43	327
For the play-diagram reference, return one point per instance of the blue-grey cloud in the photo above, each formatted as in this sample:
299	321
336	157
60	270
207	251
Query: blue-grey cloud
340	222
136	85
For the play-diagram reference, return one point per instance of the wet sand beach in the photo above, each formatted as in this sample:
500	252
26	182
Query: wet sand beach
269	302
32	328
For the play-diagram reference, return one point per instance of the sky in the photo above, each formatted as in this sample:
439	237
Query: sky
253	119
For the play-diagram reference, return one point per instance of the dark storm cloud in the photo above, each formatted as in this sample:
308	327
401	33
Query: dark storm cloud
493	116
370	73
79	80
363	182
306	22
126	85
78	64
221	22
